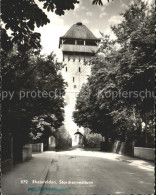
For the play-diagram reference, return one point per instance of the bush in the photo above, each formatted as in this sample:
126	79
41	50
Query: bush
64	140
93	140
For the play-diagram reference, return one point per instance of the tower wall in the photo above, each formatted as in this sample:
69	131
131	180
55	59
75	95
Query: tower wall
75	73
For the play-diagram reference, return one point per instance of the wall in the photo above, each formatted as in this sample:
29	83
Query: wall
37	147
129	150
27	152
6	165
144	153
6	153
73	64
120	148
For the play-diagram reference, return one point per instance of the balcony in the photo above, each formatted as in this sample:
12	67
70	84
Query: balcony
79	48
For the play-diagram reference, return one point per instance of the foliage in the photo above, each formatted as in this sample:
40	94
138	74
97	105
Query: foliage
128	69
99	2
64	140
43	127
37	90
21	16
93	140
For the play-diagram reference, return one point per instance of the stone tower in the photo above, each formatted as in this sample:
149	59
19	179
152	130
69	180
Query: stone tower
78	45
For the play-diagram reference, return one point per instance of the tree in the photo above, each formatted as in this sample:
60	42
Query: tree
91	112
130	68
38	92
21	17
99	2
136	60
64	140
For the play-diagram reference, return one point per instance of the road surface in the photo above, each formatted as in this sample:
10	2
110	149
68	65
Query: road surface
79	172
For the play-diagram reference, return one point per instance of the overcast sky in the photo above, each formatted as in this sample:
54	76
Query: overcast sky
96	18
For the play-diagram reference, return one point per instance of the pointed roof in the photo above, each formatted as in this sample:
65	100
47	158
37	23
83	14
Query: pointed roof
80	31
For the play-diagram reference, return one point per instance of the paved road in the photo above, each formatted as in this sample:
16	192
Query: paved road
80	172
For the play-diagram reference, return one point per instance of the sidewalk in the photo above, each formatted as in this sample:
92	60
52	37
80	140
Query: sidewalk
140	163
15	182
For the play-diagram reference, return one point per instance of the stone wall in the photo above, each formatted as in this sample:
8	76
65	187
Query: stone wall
75	73
129	150
144	153
6	165
27	152
120	148
37	147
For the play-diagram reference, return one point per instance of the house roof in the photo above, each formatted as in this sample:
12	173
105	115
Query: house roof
80	31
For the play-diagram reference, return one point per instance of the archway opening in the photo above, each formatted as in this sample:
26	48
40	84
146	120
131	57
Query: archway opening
78	139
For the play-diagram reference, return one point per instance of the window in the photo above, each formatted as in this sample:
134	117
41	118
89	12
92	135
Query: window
74	86
66	69
69	42
79	69
80	42
73	79
92	43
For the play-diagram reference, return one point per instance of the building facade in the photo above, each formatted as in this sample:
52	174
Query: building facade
78	45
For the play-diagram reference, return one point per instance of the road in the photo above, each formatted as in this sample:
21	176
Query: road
102	174
79	172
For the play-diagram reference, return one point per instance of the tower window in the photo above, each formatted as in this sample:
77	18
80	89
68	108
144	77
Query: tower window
79	69
80	42
73	79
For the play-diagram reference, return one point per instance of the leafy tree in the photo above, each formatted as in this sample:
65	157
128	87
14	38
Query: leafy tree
64	140
91	112
92	140
130	68
136	59
99	2
21	17
38	92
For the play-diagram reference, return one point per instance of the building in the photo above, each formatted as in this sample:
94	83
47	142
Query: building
78	45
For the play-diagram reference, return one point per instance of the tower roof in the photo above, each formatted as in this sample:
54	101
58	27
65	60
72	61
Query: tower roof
80	31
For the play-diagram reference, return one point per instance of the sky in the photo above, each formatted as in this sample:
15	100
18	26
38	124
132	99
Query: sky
96	18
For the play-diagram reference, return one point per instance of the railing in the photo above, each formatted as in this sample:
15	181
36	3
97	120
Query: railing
79	48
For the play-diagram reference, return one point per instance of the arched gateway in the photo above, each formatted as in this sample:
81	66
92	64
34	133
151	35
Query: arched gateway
78	139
